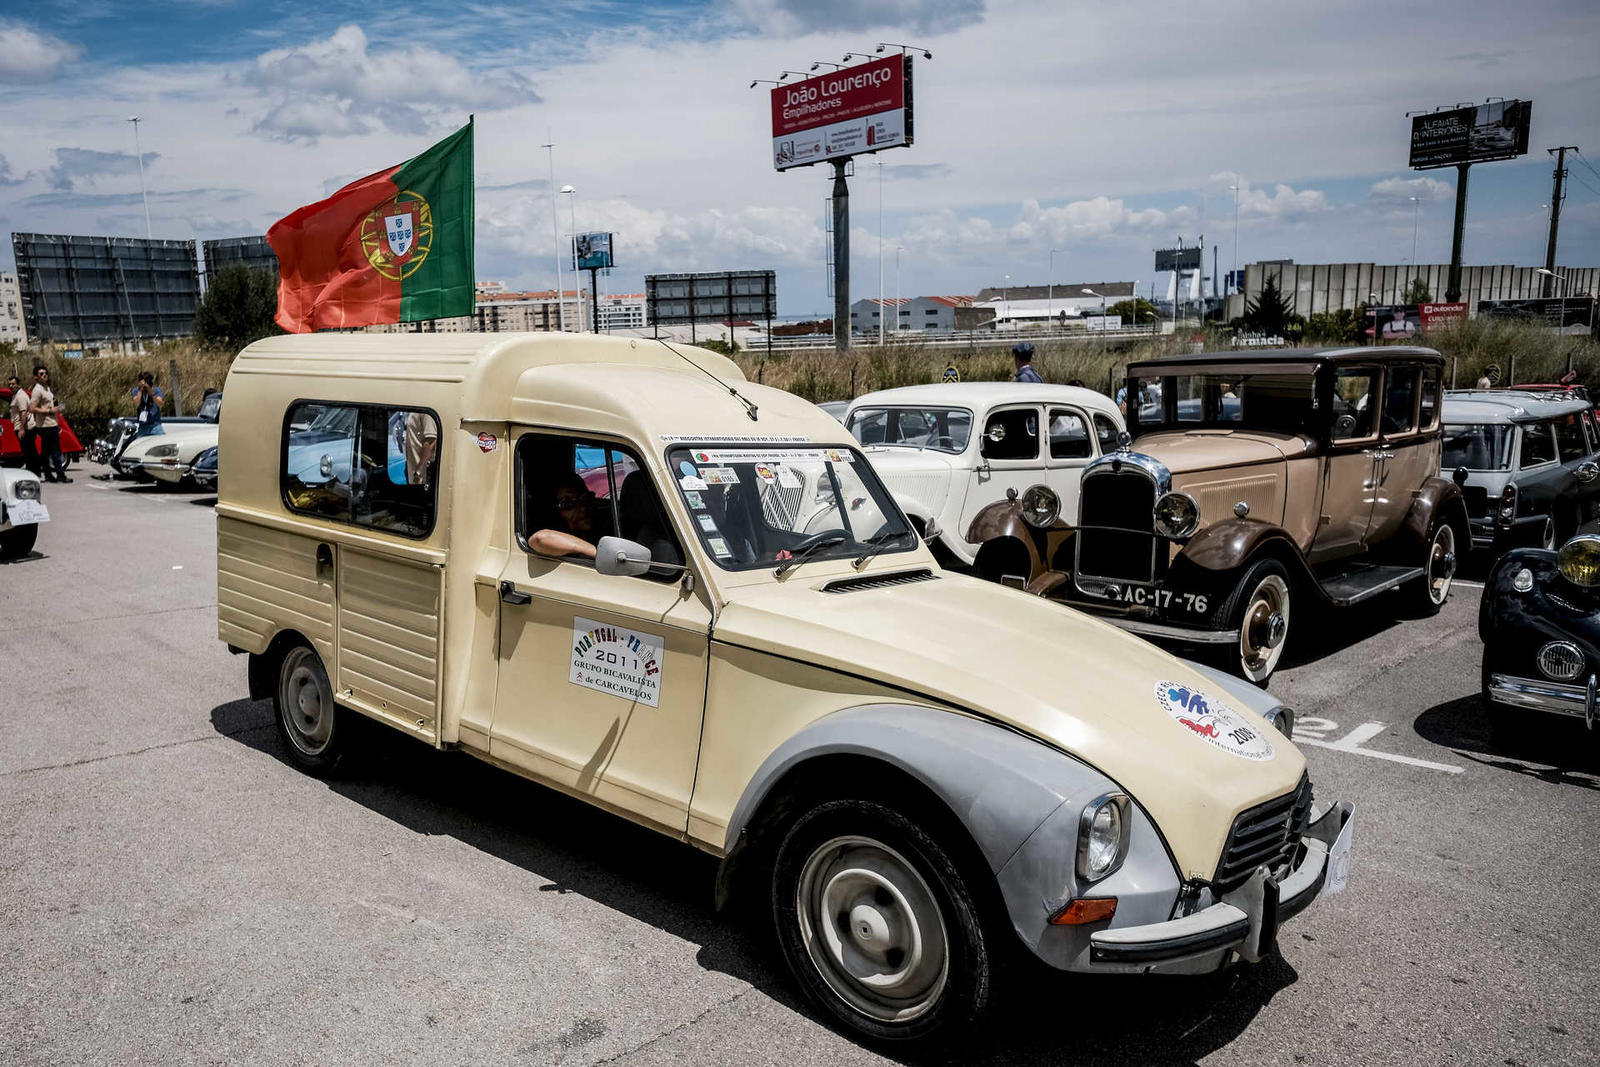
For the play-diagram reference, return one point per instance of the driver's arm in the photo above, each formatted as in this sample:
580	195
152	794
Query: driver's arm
559	543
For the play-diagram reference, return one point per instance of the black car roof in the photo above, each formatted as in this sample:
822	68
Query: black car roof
1283	356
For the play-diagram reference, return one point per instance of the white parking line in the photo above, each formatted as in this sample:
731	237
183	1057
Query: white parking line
1469	585
1306	731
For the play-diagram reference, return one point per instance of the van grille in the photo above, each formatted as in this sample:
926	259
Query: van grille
1265	834
877	581
1117	501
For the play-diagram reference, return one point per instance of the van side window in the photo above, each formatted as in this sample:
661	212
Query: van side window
362	464
571	492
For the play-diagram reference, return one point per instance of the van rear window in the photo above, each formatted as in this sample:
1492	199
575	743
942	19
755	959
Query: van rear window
362	464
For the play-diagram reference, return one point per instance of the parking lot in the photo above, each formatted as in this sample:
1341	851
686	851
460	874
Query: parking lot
177	892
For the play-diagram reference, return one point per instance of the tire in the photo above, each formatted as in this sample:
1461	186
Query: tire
1438	570
880	925
18	541
311	726
1259	609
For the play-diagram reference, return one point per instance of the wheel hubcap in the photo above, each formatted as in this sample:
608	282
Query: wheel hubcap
307	703
1266	625
872	928
1441	564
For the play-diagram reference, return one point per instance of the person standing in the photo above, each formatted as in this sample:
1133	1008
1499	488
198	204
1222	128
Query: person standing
21	420
147	394
46	427
1022	360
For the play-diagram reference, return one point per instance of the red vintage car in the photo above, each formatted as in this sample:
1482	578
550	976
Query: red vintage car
11	447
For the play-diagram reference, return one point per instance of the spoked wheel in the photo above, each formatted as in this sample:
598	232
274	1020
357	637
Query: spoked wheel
877	923
308	720
1439	569
1260	609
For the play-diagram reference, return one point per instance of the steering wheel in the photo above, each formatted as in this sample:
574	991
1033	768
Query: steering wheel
835	534
933	442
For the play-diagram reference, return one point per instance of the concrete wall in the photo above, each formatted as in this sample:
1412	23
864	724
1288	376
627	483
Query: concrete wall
1320	287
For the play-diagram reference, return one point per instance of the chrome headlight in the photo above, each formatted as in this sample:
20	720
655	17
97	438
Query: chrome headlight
1102	836
158	451
1579	561
1176	515
1040	506
1282	720
27	490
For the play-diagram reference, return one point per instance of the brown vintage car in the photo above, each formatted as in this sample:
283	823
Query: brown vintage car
1249	481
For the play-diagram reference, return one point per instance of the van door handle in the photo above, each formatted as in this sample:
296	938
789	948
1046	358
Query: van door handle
509	594
324	563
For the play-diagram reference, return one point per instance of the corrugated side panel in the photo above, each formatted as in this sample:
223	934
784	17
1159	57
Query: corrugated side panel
389	635
1263	492
267	582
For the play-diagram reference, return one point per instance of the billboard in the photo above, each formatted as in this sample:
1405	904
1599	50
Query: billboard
1398	322
848	112
253	252
1496	130
1178	259
592	251
99	289
1572	314
716	296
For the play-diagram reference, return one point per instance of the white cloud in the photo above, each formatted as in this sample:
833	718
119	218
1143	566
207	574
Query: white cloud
1399	191
29	56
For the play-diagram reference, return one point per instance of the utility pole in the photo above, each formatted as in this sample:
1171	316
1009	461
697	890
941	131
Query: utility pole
555	228
841	258
1557	194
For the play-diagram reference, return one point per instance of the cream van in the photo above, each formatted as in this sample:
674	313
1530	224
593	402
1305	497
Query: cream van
616	567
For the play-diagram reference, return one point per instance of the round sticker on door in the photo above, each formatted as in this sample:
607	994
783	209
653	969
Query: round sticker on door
1213	721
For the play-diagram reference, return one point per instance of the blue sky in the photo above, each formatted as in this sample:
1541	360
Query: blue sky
1082	127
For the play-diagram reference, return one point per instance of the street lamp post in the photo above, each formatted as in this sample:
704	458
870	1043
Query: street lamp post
1091	292
1416	203
1561	326
1005	298
1053	252
882	335
572	216
138	154
555	236
1235	188
897	250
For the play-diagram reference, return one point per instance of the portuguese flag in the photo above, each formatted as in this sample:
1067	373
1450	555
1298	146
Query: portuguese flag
395	246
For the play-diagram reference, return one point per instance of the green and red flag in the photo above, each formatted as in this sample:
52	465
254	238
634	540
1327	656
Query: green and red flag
395	246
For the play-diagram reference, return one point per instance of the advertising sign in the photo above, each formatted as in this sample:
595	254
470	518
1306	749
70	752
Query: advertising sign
1102	323
844	113
1497	130
716	296
1399	322
1574	314
1178	259
592	251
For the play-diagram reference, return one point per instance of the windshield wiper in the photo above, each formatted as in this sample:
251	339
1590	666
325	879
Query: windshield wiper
879	542
810	547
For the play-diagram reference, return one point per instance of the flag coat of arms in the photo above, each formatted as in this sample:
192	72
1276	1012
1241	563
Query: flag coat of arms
395	246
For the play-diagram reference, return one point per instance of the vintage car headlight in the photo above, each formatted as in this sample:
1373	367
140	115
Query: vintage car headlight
1282	720
1579	561
27	490
1176	515
1102	836
1522	581
158	451
1040	506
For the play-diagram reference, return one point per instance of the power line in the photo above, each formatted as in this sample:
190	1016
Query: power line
1582	159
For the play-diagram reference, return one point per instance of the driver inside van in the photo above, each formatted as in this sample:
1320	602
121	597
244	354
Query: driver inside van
581	517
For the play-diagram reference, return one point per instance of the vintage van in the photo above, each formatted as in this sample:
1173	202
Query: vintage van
618	568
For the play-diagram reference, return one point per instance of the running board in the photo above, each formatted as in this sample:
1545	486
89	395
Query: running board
1367	581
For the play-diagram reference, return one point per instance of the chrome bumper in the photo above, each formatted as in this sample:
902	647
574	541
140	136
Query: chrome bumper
1245	921
1174	633
160	467
1577	701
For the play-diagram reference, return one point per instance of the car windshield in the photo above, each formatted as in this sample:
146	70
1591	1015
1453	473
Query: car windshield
941	429
1279	403
763	506
1476	446
211	407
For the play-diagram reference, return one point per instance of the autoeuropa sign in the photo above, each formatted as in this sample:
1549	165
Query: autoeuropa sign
1476	134
848	112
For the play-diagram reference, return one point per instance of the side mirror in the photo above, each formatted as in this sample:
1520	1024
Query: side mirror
618	555
1459	476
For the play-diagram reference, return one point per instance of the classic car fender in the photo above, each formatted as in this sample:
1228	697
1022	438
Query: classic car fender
1002	522
1439	497
1231	543
999	785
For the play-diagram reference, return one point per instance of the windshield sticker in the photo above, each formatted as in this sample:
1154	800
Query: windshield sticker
774	457
689	481
1213	721
693	498
765	473
788	478
707	523
740	439
719	475
718	546
623	663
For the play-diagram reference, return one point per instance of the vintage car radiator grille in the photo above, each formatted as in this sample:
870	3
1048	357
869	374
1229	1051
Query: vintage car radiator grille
1118	501
1265	834
877	581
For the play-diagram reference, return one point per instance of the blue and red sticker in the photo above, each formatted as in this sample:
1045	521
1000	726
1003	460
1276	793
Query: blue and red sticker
1213	721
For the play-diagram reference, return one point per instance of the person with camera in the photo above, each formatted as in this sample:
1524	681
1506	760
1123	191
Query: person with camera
147	394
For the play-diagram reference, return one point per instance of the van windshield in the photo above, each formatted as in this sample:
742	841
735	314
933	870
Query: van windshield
759	506
1476	446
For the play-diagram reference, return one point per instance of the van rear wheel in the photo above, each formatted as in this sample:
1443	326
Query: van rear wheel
309	722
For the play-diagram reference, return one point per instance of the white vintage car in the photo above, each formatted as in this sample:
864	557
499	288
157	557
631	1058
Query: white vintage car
170	456
923	443
21	512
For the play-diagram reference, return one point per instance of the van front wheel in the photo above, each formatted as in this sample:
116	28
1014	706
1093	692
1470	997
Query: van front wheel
308	720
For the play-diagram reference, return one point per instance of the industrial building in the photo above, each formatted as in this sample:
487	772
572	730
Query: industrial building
1015	306
623	311
1313	288
919	313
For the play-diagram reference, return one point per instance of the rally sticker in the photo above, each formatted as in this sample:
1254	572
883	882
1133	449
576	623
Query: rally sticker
623	663
743	439
488	442
689	481
707	523
719	475
718	546
1212	720
693	498
765	473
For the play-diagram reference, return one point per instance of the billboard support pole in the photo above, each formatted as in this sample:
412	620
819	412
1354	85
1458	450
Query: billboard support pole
841	258
1452	292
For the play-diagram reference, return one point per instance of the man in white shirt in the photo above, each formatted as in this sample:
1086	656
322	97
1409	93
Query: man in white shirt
47	429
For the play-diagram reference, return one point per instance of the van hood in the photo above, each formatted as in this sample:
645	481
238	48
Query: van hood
1186	452
1073	682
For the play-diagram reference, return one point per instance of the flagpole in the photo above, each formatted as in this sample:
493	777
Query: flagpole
555	233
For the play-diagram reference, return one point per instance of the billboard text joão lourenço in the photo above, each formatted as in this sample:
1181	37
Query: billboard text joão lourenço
845	113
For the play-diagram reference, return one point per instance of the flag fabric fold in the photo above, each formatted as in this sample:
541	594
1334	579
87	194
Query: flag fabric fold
395	246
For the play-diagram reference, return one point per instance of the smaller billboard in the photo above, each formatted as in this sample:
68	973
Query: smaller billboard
1102	323
592	251
1574	314
1178	259
1398	322
712	296
1496	130
846	112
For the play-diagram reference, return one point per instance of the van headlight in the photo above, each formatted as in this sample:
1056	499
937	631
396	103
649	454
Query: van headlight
27	490
1102	836
1040	506
1176	515
1579	561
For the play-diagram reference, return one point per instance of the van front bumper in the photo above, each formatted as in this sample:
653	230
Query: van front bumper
1244	923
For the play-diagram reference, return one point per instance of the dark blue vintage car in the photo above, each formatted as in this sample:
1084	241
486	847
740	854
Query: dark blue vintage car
1540	624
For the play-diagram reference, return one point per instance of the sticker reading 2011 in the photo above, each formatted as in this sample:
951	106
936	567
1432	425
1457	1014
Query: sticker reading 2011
610	659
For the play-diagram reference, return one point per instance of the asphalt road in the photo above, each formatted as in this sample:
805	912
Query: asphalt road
175	892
